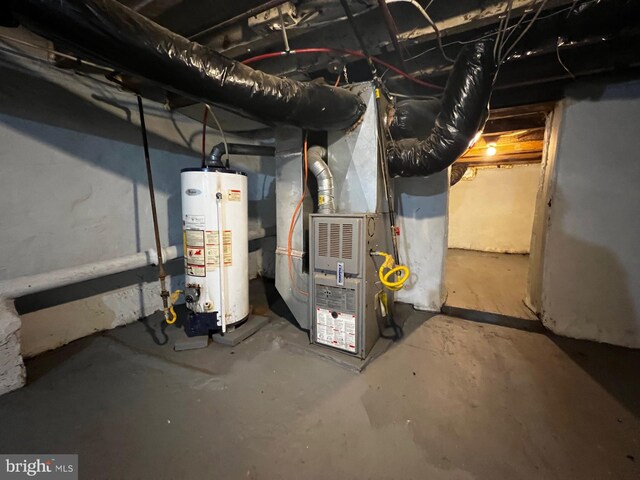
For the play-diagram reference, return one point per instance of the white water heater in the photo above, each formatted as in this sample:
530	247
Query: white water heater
216	250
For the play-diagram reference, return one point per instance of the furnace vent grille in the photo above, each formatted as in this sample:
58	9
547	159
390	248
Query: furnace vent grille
334	246
336	240
347	241
323	239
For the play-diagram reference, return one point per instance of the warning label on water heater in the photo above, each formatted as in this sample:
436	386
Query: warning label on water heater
336	329
196	270
234	195
213	250
195	253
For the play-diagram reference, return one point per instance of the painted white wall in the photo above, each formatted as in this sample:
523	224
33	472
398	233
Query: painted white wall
73	190
591	269
493	211
422	215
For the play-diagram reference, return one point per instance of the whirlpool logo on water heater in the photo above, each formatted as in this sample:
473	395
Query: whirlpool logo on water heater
52	467
192	192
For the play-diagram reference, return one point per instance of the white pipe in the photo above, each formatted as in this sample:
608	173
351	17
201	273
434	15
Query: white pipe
18	287
221	305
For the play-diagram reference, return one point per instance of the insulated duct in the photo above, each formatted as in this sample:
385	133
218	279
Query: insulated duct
464	111
457	172
414	118
109	33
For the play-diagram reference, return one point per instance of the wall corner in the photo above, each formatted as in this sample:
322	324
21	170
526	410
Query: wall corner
13	374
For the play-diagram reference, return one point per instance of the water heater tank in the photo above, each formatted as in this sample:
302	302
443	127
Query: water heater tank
215	224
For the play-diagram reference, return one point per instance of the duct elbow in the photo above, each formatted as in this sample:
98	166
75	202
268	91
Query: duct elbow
317	157
464	111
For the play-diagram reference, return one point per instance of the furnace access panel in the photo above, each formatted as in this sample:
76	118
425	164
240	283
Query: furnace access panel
344	280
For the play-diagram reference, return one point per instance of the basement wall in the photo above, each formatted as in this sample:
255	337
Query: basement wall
493	211
73	191
590	276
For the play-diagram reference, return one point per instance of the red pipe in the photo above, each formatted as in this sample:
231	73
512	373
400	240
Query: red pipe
353	53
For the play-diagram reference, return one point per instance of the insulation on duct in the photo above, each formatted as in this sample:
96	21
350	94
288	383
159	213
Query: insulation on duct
109	33
414	118
465	108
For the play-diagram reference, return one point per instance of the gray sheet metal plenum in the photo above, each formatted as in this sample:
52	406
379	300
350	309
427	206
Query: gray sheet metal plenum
465	108
114	35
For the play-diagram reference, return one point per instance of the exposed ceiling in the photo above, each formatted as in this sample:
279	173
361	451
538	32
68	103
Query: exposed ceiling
570	38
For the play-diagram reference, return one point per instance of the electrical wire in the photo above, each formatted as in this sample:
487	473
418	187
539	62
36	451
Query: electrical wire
524	32
358	35
497	41
573	5
489	34
294	219
428	18
224	137
393	31
560	60
500	41
353	53
515	28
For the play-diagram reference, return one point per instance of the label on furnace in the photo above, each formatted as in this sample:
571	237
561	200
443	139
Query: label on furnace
339	332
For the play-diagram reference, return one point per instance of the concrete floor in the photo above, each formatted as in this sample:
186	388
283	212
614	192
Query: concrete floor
491	283
453	400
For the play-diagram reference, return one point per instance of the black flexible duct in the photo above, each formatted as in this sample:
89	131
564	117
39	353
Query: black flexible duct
109	33
457	172
464	111
414	118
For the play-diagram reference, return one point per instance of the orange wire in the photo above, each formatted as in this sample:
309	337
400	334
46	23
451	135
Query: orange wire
338	80
294	219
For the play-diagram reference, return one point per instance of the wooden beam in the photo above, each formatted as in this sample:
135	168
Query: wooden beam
511	159
478	18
